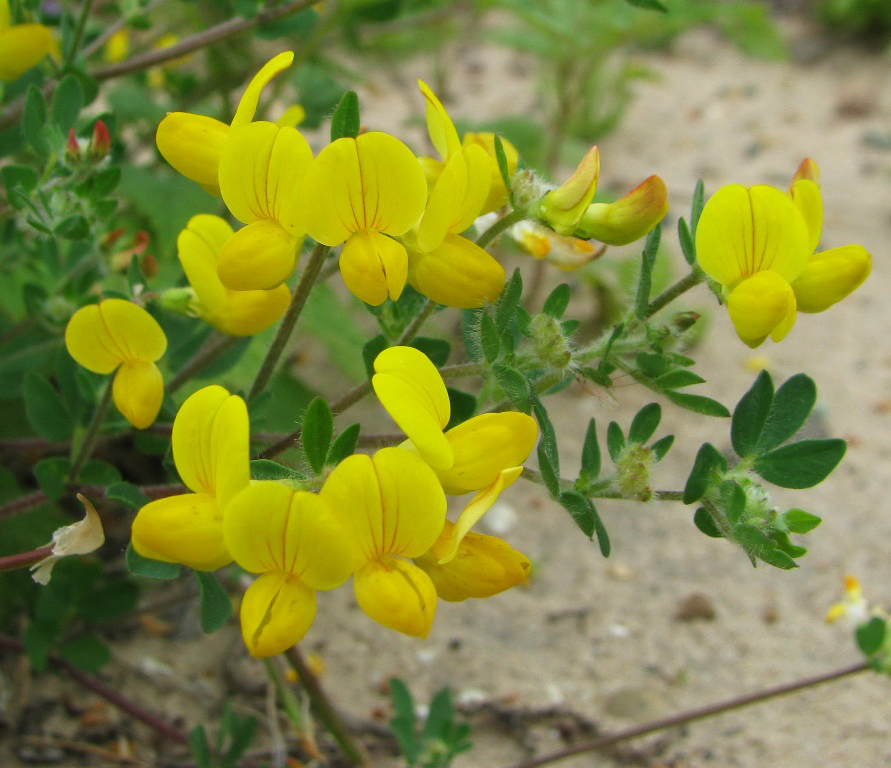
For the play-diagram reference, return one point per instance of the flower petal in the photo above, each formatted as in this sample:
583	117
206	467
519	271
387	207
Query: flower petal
760	305
440	127
247	105
277	610
484	446
807	198
370	182
270	527
259	256
138	391
398	595
830	276
22	47
563	207
483	566
458	274
186	529
414	394
193	144
629	218
374	266
498	194
198	247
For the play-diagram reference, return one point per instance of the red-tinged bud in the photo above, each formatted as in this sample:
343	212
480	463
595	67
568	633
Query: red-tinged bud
100	142
72	148
149	265
110	238
807	170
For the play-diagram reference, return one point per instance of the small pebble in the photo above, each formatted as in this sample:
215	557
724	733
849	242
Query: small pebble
695	607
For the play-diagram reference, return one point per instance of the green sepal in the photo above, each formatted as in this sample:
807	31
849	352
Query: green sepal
871	635
344	445
645	423
557	301
316	433
708	461
148	568
750	416
346	123
216	607
801	465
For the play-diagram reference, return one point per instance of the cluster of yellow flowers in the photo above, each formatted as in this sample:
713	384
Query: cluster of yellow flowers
373	516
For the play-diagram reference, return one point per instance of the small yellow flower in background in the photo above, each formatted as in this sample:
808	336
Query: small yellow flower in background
75	539
563	208
629	218
445	267
362	192
260	172
394	505
565	253
22	46
298	544
119	335
238	313
210	445
193	144
758	245
156	75
117	47
853	609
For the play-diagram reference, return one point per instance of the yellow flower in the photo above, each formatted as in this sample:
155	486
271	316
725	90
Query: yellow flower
562	208
629	218
210	449
482	566
118	335
394	505
363	192
296	541
565	253
442	265
758	245
22	46
117	47
238	313
498	194
260	172
193	144
853	610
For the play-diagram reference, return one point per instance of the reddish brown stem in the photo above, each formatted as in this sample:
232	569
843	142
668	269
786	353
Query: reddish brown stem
24	559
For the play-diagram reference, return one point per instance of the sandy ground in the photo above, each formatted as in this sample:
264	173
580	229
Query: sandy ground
593	643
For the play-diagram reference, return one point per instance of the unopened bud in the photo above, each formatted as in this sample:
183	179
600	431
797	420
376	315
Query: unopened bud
629	218
683	321
633	472
563	207
807	170
550	343
100	142
72	149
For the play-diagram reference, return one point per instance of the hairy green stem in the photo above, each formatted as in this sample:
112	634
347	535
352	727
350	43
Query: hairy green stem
691	280
298	301
499	226
461	370
92	434
412	330
691	715
325	710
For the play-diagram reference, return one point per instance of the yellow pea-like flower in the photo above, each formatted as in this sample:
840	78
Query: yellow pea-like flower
22	46
364	191
298	544
482	566
117	335
193	144
238	313
394	505
562	208
210	444
629	218
566	253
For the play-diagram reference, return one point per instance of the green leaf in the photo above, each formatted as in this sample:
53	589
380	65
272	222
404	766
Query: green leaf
792	404
67	103
45	409
99	472
19	176
676	379
489	341
34	120
198	746
440	717
266	469
128	494
590	454
507	305
216	607
615	441
438	350
649	5
51	475
548	441
688	245
105	182
698	205
74	227
403	722
706	523
503	167
648	258
750	416
733	501
652	365
799	521
87	652
871	635
557	302
149	569
373	347
316	433
708	460
463	406
344	445
346	122
515	385
470	324
801	465
662	446
111	600
585	515
758	546
698	403
645	423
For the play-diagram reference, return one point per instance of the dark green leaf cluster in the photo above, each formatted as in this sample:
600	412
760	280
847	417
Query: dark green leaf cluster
234	736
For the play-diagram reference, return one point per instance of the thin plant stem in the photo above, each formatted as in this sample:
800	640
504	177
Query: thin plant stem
24	559
325	710
691	280
298	301
691	715
107	692
409	333
89	441
215	347
460	370
286	696
79	31
22	504
499	226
